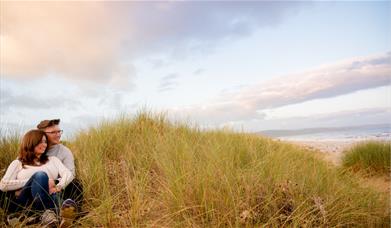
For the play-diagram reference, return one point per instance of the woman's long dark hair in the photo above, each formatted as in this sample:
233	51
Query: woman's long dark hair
26	150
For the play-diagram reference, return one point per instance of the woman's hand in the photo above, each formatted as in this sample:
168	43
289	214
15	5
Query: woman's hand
52	187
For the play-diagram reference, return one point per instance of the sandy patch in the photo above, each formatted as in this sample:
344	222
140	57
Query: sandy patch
332	149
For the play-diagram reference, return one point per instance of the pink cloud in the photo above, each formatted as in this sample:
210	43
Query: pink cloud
324	82
100	40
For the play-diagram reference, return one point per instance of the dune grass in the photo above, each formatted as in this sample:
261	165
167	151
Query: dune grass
9	143
146	171
372	157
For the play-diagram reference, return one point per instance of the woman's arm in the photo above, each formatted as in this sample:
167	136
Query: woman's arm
9	181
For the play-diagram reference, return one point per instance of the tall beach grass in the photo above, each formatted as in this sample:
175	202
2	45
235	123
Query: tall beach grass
145	171
371	156
9	143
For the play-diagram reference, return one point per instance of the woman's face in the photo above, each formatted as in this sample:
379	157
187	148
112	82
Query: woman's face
41	147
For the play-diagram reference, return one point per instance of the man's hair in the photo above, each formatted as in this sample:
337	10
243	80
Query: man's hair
48	123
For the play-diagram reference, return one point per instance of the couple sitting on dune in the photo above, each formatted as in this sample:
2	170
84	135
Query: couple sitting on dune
41	179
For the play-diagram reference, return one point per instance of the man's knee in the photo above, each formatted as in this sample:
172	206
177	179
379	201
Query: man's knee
74	191
5	200
74	188
2	198
77	184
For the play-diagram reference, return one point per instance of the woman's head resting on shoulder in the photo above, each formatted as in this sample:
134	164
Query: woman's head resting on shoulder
33	148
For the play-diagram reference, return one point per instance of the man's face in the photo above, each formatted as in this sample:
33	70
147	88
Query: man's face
54	134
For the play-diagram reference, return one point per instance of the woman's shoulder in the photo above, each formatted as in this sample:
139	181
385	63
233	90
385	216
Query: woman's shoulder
16	163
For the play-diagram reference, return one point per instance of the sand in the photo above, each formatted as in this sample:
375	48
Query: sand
332	150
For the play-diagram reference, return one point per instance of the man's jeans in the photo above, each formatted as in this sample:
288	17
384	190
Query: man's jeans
34	195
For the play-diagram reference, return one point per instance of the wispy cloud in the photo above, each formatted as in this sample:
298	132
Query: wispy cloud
354	117
12	100
334	119
98	41
112	100
199	71
168	82
324	82
327	81
360	116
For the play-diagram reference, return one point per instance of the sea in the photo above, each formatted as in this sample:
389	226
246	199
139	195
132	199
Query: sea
352	133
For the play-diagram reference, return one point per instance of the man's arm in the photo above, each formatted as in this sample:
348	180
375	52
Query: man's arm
67	159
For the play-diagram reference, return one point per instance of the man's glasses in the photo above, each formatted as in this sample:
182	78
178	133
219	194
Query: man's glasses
54	132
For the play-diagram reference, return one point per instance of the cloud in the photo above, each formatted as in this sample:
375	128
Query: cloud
324	82
82	122
98	41
74	40
112	100
378	115
199	71
352	117
12	100
168	82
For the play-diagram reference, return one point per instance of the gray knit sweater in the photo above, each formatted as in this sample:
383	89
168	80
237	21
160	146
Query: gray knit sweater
64	154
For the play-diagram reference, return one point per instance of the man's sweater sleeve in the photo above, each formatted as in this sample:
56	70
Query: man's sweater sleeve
68	159
66	175
9	181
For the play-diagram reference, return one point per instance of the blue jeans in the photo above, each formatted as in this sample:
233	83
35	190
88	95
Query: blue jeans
36	193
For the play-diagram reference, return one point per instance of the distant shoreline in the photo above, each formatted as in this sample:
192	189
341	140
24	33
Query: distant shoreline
382	130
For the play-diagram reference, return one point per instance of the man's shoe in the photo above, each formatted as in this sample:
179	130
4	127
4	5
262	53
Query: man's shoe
68	213
13	219
33	219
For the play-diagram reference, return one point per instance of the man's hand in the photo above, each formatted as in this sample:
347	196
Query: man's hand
17	193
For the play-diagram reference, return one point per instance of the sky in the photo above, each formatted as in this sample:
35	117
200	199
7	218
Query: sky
249	66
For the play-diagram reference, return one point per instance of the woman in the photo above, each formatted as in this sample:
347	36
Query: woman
32	175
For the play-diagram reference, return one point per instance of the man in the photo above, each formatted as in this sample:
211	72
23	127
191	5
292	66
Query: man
53	132
56	148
